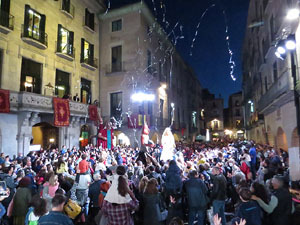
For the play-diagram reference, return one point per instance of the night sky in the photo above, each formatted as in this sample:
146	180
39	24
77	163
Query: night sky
210	55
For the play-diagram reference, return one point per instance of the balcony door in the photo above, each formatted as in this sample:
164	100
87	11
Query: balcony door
4	12
34	24
86	91
116	59
65	39
62	83
31	76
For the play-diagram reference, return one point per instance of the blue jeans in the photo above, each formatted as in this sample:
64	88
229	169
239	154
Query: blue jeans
219	208
193	214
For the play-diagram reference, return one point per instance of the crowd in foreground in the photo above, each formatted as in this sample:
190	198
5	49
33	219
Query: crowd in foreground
220	182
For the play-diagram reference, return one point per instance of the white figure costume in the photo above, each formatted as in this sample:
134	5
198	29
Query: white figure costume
168	143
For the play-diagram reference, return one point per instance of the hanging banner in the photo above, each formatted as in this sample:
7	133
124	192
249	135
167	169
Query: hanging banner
61	112
4	101
93	113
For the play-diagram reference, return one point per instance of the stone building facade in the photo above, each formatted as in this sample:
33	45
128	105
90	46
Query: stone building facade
48	48
268	81
137	56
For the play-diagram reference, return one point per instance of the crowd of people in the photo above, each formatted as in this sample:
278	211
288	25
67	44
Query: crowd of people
220	182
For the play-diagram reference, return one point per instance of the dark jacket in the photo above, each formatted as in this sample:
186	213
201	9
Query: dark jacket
22	199
173	178
150	203
196	192
55	218
282	213
94	192
219	187
157	176
250	211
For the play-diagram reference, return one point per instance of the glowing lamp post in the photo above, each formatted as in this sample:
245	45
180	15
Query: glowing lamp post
142	97
293	14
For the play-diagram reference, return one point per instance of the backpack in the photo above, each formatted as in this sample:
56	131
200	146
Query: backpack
72	209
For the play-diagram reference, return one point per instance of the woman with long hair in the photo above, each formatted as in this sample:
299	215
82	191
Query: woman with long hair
119	201
38	208
61	167
152	204
259	191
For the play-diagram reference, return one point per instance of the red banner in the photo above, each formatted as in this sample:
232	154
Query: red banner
4	101
93	113
61	112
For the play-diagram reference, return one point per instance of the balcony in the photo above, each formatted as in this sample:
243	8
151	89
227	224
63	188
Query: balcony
117	67
68	10
274	95
6	22
26	101
36	38
67	51
89	63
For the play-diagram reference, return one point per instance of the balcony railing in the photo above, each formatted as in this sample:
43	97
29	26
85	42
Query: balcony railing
90	63
279	88
68	9
34	37
26	101
6	21
66	51
117	67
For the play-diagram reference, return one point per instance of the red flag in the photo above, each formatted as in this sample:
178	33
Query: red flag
61	112
4	101
93	113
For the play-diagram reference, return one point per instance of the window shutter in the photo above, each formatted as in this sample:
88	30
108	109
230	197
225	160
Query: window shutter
42	28
92	23
82	50
71	42
86	17
91	54
5	7
26	20
59	38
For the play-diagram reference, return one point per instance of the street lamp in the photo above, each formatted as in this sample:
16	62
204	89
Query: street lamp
293	14
141	97
288	44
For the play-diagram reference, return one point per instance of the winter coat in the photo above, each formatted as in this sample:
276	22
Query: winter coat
173	178
196	192
21	202
150	202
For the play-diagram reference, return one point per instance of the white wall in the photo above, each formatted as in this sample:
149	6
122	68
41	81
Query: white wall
9	129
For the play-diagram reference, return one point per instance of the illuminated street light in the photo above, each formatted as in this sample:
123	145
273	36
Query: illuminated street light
164	86
290	44
281	50
141	97
293	14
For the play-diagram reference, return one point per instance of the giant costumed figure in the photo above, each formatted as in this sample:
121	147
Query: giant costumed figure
168	143
105	136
